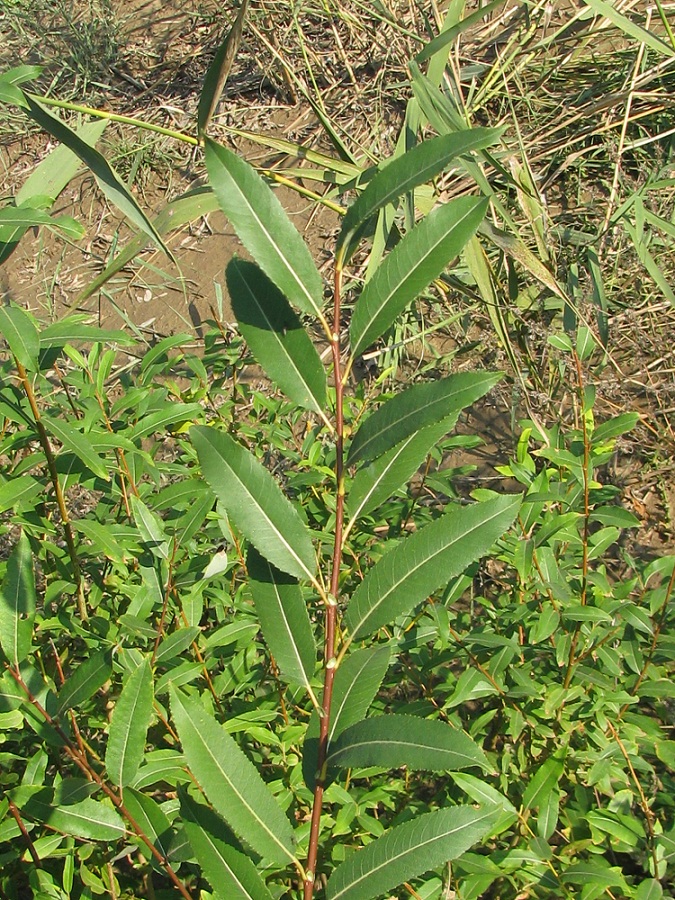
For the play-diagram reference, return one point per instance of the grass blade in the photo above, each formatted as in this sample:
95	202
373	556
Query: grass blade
276	336
284	620
231	782
255	502
395	740
419	258
264	228
630	29
129	726
425	561
414	409
408	850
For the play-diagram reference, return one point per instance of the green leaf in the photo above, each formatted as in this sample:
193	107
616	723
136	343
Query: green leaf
415	408
264	228
217	73
129	726
24	217
77	443
284	620
170	414
357	681
161	766
17	603
404	174
73	328
649	890
630	29
419	258
276	336
87	678
544	780
231	782
151	818
107	179
88	819
17	328
230	872
176	643
151	528
15	491
448	36
425	561
394	740
408	850
375	483
254	502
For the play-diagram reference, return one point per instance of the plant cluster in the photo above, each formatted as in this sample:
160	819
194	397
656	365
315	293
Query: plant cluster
247	650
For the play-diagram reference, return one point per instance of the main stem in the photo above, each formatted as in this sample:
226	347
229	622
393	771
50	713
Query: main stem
331	605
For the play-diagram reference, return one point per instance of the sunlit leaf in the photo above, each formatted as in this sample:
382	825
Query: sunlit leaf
230	872
254	501
408	850
264	228
107	179
78	443
17	603
231	782
397	740
87	678
425	561
129	726
406	172
420	257
415	408
17	328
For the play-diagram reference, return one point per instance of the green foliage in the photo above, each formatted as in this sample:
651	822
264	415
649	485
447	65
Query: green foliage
229	670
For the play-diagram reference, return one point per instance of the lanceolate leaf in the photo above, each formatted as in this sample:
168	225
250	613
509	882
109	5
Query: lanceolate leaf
230	872
88	819
151	818
419	258
394	741
276	336
107	179
409	850
215	79
356	683
406	172
78	443
87	678
264	228
284	620
17	603
129	726
254	502
415	408
425	561
544	780
375	483
231	782
17	328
